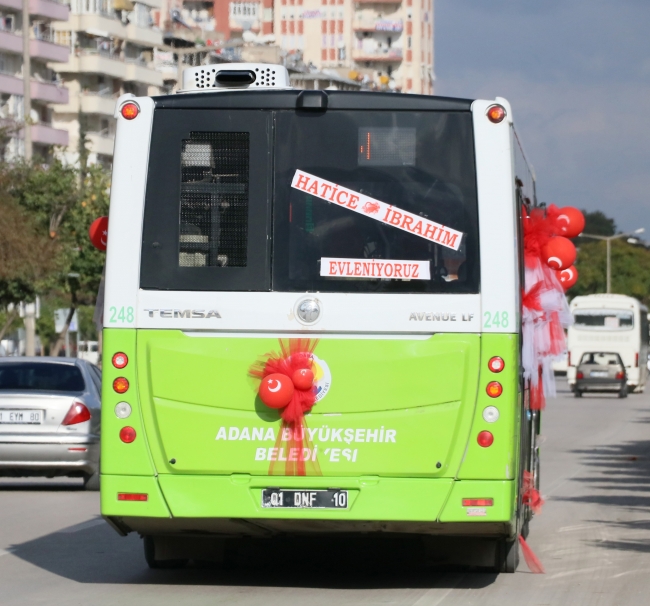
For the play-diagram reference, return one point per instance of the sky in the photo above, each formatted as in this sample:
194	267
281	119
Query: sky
577	74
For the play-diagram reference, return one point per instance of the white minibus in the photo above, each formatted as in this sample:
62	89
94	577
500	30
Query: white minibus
609	322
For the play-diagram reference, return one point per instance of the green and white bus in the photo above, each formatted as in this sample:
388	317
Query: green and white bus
386	226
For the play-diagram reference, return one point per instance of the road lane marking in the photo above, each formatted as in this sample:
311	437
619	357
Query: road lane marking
579	527
4	552
440	598
82	526
580	571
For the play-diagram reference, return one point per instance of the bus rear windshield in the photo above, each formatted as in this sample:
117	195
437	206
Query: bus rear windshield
603	319
343	201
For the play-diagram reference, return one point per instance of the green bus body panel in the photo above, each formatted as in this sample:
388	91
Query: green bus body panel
187	391
499	461
116	456
503	493
395	407
153	507
405	499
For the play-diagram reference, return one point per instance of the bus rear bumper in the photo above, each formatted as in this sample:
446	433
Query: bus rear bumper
232	506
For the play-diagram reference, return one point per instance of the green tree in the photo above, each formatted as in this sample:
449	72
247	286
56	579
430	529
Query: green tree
27	255
630	270
63	201
598	223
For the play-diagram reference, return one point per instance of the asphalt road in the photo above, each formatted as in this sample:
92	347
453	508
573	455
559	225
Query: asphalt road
593	537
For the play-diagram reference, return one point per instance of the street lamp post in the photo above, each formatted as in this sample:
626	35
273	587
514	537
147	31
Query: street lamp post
609	239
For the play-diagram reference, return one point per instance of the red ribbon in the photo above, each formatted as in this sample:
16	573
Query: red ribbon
293	445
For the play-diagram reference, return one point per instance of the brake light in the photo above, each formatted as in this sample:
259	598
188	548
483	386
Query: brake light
129	111
494	389
478	502
485	439
78	413
620	375
121	385
568	359
636	360
496	364
580	375
132	496
120	360
496	113
127	434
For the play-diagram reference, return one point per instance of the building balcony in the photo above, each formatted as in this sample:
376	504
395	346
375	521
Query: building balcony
88	103
93	61
48	51
38	49
140	72
100	143
50	9
44	134
144	36
391	55
15	5
41	91
97	23
378	25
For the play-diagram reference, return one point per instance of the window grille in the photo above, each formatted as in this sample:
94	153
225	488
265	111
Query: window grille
214	200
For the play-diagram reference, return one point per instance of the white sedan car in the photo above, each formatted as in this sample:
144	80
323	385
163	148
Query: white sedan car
50	418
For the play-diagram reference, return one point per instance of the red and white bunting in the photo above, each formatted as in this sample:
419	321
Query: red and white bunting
375	209
375	269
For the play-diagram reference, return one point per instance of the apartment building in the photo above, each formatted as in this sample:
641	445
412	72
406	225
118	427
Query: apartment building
388	43
111	46
385	44
45	88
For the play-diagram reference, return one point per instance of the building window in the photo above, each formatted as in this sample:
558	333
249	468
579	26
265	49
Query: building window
323	54
244	9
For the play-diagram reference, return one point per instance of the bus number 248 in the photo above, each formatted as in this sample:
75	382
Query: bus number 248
123	314
498	319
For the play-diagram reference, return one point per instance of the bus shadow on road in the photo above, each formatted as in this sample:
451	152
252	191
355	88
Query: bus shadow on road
94	553
619	479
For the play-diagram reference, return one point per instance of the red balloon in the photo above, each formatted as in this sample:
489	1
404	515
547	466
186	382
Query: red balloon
303	379
276	390
559	253
570	222
568	277
98	232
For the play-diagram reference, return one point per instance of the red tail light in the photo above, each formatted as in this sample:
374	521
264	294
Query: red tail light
132	496
620	375
568	359
129	111
496	113
485	439
478	502
636	360
78	413
127	434
120	360
121	385
580	375
496	364
494	389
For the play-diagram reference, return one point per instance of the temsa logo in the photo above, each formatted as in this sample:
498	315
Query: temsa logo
184	313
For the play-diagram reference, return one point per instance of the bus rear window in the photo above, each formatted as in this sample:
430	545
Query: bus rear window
603	319
375	202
